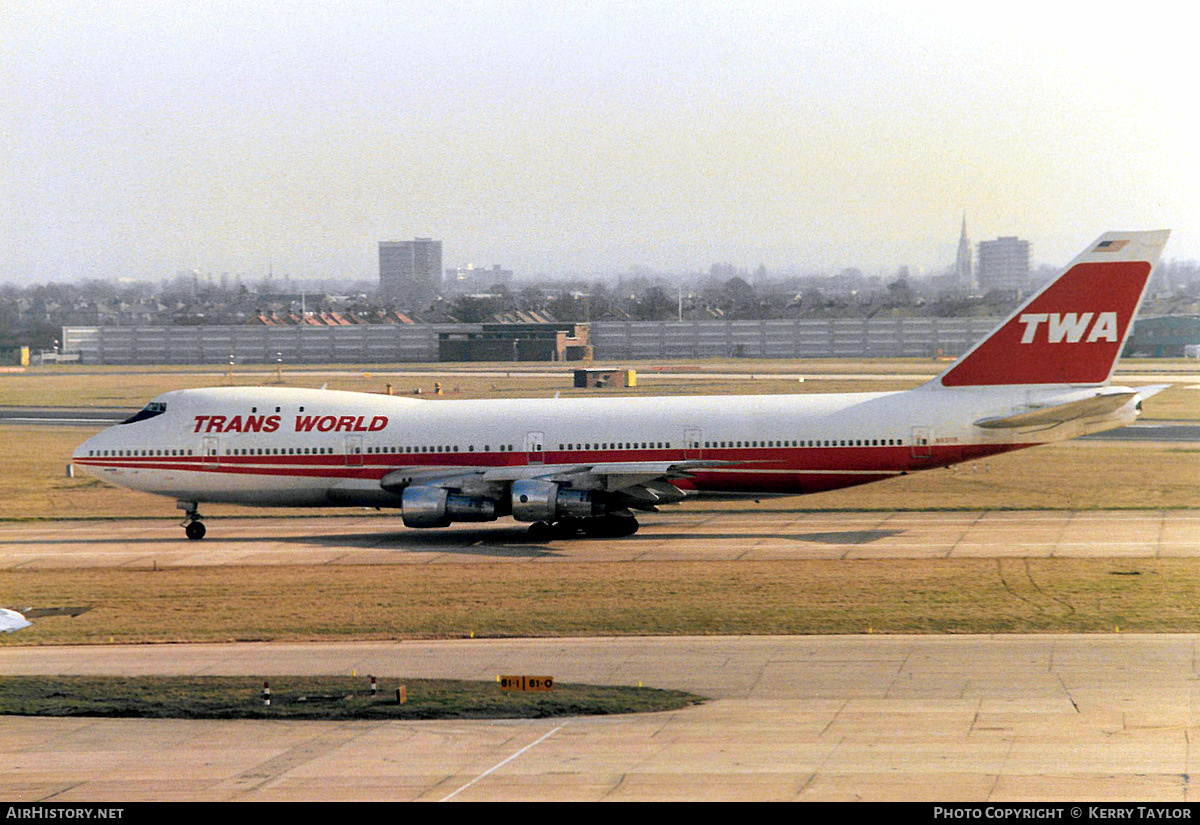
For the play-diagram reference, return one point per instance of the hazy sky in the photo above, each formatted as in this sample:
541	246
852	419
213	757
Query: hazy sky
142	138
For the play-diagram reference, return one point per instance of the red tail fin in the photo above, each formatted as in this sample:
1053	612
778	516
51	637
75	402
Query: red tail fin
1072	331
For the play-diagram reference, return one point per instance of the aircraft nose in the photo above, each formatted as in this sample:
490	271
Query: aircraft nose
84	457
87	448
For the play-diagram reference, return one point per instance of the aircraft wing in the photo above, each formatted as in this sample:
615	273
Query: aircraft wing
615	475
41	612
1051	415
433	475
11	621
645	482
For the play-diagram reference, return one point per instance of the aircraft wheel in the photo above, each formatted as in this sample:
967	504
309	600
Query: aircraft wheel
540	531
623	526
195	530
567	528
610	527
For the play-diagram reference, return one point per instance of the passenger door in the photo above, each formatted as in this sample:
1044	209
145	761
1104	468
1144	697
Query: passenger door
210	449
354	447
535	449
921	445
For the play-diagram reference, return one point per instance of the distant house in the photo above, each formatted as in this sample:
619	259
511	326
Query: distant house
1167	336
517	342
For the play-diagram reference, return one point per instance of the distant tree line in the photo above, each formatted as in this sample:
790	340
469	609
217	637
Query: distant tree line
34	315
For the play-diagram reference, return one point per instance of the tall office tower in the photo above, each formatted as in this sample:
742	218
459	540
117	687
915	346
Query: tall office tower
410	272
1003	264
964	269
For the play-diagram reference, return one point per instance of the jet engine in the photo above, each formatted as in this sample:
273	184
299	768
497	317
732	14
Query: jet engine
437	507
534	500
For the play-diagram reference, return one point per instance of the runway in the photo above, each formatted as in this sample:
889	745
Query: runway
690	533
945	719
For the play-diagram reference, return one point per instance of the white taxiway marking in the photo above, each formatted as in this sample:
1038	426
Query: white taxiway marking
502	764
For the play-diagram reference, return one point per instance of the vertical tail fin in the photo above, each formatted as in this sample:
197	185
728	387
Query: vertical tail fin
1073	329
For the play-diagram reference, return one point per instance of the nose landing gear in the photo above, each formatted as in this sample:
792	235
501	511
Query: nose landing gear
193	527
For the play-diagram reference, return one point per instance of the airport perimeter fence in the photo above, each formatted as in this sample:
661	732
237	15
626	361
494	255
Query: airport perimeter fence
612	340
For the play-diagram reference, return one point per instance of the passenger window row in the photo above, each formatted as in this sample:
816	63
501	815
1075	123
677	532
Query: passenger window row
439	448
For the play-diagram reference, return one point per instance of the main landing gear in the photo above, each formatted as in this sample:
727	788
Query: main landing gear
598	527
193	527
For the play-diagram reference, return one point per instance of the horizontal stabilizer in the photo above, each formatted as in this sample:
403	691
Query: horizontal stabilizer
1060	413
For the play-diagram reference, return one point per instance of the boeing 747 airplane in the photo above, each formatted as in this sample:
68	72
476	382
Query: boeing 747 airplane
584	466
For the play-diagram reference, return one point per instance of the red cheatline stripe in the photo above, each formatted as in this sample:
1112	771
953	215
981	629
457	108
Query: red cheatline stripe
880	461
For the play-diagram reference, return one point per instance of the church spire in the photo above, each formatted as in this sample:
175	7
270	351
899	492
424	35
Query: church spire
963	266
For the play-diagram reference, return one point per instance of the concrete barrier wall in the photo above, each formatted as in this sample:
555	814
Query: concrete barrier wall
833	338
382	343
613	340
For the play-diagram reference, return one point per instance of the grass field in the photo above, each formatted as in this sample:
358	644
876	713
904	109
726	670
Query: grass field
131	387
316	697
128	390
304	603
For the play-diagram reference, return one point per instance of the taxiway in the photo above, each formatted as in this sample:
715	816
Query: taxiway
966	718
693	533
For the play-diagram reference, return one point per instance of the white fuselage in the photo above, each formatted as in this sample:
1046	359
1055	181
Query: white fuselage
299	447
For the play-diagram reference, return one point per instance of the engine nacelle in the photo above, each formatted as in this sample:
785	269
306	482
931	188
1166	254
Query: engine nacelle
437	507
534	500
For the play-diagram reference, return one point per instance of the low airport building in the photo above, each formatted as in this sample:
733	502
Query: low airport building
608	340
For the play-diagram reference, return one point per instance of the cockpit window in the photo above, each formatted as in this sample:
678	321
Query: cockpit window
149	411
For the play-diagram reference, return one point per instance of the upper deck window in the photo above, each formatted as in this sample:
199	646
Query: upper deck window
149	411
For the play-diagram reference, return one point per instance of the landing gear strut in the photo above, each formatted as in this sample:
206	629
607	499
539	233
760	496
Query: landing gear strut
193	527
